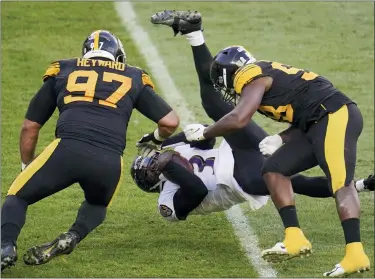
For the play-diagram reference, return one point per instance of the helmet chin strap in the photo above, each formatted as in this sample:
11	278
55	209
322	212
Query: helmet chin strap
99	53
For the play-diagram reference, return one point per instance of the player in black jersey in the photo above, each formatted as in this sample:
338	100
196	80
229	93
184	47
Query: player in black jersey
95	95
325	126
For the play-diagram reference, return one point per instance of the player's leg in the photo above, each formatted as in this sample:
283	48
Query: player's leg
189	24
99	176
293	157
46	175
248	172
334	138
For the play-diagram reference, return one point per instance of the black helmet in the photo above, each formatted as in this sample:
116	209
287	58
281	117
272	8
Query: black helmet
224	66
145	173
102	43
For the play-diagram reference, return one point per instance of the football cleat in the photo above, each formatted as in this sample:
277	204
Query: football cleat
279	253
180	21
366	184
63	244
294	245
339	271
355	261
369	183
8	255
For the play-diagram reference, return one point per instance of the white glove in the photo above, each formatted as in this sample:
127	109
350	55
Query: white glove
194	132
270	144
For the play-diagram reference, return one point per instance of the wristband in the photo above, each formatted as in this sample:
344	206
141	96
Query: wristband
23	166
157	136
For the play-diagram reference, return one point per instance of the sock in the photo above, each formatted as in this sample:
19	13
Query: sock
13	217
351	229
88	218
195	38
359	185
289	216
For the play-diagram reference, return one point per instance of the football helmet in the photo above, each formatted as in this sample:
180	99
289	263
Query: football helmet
102	43
224	66
145	173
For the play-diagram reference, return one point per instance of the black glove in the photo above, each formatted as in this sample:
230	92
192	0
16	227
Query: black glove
148	138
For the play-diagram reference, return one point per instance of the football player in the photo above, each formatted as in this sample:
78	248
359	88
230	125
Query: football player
95	95
199	179
325	126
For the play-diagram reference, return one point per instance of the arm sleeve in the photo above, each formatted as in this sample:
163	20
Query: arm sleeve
151	105
192	189
43	104
181	138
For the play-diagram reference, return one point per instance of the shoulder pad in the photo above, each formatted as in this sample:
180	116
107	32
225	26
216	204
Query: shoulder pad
244	75
52	70
146	80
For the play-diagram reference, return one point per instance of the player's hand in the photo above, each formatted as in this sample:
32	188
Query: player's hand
194	132
152	137
270	144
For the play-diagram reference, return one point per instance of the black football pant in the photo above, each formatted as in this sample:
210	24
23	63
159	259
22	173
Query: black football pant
245	142
330	143
61	164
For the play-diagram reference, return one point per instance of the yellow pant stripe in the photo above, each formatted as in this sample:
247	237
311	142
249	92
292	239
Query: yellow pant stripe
334	147
119	181
31	169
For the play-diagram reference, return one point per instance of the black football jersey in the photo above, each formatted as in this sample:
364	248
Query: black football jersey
295	94
95	99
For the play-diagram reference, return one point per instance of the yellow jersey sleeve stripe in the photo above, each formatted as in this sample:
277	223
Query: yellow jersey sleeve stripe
31	169
146	80
52	70
245	75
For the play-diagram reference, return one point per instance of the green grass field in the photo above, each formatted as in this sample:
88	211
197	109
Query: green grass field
332	39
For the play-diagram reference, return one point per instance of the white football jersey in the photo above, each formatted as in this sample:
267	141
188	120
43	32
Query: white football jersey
215	168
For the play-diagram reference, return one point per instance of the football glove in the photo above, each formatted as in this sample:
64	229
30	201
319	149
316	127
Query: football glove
152	137
194	132
270	144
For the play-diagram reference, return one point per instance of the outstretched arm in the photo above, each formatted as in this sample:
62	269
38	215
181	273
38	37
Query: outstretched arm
240	116
40	109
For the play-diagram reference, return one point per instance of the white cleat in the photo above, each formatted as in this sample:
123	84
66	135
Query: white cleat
279	253
339	271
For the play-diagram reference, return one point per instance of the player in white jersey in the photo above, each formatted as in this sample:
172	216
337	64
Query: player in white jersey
215	168
195	181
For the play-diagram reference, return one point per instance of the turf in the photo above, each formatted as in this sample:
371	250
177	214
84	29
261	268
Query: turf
333	39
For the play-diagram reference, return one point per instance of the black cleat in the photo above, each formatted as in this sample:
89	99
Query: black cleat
369	183
8	255
63	244
180	21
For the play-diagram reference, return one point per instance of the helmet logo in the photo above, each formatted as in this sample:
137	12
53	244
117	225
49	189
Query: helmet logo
240	62
220	80
100	45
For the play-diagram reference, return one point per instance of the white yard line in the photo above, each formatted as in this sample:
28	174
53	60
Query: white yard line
160	73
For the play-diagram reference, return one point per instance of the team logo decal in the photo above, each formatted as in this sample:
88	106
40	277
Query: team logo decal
165	211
